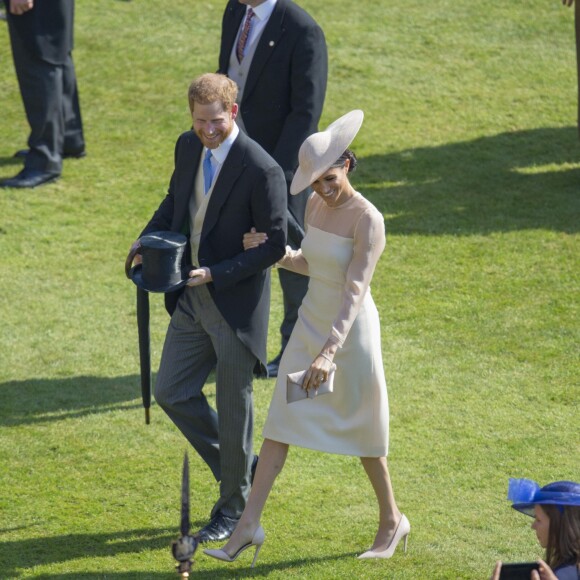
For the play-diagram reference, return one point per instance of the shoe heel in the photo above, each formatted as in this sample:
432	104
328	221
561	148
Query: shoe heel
405	544
258	548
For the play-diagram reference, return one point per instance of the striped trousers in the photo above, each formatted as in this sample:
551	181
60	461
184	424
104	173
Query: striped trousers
199	340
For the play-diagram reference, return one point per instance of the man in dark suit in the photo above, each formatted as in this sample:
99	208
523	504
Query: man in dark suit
577	30
223	184
277	55
41	35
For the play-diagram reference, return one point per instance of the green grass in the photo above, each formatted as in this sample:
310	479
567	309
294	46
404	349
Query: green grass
470	150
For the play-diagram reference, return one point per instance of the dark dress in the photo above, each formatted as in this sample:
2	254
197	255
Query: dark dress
567	572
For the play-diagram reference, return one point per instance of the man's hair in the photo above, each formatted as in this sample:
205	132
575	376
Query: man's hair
211	87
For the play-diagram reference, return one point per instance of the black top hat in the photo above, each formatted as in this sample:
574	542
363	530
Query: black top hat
160	270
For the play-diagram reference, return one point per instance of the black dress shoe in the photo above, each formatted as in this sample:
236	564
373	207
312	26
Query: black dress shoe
219	528
29	178
273	365
74	154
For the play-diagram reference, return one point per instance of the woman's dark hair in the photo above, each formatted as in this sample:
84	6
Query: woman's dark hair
348	154
563	536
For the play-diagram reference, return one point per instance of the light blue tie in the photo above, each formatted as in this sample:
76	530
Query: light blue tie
207	171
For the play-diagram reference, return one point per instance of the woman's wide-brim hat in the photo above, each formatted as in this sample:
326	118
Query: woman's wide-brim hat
161	267
321	150
525	494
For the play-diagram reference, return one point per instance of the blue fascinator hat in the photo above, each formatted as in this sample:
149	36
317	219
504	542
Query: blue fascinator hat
525	493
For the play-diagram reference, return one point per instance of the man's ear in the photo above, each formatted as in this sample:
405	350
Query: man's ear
234	110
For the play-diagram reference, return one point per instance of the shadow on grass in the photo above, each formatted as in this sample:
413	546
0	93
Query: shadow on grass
236	570
18	554
47	400
506	182
5	161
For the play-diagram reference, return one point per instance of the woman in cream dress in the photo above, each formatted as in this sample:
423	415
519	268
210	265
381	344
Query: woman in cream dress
338	324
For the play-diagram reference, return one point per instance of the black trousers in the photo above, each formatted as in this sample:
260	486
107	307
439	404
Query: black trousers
51	102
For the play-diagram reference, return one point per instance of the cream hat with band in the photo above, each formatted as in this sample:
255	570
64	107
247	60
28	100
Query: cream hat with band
320	151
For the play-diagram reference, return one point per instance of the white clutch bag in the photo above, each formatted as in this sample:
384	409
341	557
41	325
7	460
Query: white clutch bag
295	392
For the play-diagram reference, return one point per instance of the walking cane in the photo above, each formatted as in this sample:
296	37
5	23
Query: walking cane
144	335
144	349
183	549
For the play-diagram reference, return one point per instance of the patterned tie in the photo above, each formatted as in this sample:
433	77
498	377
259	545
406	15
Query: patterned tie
242	41
207	171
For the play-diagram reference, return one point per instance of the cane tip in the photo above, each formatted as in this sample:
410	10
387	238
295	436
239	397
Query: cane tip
147	416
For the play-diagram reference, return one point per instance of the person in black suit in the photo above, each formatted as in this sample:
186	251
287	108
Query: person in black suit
41	35
577	31
281	68
223	184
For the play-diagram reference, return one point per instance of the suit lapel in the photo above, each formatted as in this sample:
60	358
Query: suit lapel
186	167
232	21
271	35
233	167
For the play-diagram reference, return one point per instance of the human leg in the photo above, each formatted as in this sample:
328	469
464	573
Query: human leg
235	408
187	359
40	84
74	142
392	523
272	458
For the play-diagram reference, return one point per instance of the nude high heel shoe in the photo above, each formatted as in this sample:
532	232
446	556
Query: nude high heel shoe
402	531
257	540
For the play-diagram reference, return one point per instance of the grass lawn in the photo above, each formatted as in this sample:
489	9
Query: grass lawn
470	150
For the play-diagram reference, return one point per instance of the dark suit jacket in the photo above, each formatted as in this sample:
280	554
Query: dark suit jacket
47	29
286	85
250	191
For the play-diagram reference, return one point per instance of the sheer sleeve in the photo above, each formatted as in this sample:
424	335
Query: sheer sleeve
294	261
369	243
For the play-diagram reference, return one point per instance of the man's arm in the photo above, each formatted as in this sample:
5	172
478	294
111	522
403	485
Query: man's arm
269	215
309	72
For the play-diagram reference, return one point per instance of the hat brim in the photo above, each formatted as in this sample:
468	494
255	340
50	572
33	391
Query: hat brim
338	135
136	274
525	508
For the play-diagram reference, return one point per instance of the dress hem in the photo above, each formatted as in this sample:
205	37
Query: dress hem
350	453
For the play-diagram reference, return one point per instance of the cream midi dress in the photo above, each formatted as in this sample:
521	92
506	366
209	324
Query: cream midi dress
339	253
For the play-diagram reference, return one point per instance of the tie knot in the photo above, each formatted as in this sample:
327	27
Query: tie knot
250	14
208	155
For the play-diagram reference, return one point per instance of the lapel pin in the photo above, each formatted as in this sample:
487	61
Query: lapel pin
271	43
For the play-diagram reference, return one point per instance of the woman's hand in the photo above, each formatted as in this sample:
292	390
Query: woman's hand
545	572
496	571
317	373
253	239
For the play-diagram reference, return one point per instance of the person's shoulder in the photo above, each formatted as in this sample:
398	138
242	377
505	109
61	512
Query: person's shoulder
297	15
232	7
187	139
567	572
255	153
368	208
